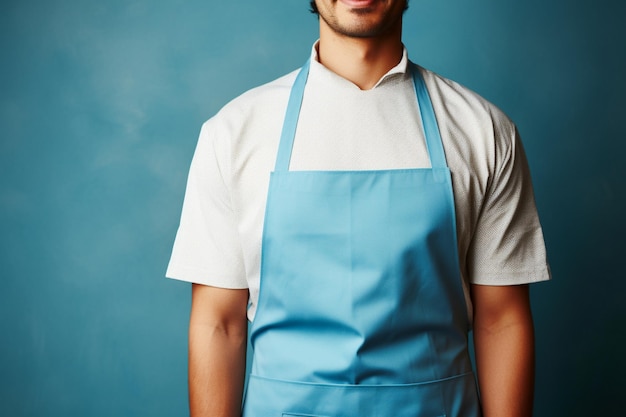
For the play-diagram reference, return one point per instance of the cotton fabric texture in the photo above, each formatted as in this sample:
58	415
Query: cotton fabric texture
341	127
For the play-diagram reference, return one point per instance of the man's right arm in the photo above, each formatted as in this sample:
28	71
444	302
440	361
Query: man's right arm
217	351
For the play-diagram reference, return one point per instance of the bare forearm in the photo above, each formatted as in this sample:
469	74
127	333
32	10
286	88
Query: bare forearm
217	351
216	371
505	364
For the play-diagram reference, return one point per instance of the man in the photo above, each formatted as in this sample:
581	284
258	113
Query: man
398	212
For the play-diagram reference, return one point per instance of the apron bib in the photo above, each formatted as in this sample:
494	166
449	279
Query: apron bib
361	308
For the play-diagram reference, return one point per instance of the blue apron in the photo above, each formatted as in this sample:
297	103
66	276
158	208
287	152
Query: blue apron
361	309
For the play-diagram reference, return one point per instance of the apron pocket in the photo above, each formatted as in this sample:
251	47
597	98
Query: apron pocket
317	415
301	415
453	396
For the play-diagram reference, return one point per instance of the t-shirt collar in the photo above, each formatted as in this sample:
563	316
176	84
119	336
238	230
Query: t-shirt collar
401	68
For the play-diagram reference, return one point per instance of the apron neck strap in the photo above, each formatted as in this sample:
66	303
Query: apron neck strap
434	144
291	119
429	121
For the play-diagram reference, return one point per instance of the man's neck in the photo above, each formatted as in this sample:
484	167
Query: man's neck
363	61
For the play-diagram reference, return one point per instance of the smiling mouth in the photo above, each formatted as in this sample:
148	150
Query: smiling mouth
358	4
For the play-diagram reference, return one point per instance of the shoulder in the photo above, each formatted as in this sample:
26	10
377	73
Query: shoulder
470	124
461	100
254	105
247	127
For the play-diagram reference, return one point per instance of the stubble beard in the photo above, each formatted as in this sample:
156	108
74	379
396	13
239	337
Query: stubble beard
360	30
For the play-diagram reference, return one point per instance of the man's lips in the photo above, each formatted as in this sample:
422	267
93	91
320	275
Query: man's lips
358	3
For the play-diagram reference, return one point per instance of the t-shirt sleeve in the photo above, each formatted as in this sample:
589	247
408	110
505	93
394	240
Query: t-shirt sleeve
508	246
207	248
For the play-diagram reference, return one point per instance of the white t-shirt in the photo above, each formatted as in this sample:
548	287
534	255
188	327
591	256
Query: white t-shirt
344	128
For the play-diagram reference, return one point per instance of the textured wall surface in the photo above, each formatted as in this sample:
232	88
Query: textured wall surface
100	106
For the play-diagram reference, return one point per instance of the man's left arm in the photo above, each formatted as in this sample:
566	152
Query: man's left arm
504	346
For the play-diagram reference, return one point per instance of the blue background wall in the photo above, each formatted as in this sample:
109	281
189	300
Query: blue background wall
100	106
